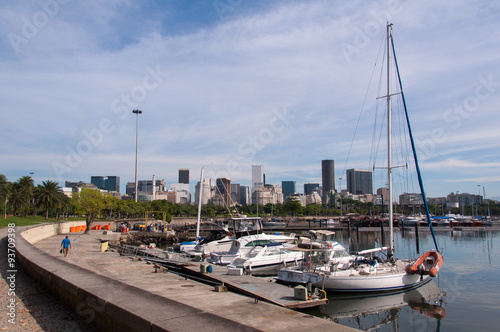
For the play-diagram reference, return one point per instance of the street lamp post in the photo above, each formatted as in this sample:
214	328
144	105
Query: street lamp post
137	112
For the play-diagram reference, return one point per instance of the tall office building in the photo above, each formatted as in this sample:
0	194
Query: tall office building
244	195
235	193
109	183
288	188
113	183
359	181
309	187
224	190
184	176
257	176
98	181
327	176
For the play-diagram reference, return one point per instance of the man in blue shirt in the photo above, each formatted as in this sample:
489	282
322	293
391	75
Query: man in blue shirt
65	245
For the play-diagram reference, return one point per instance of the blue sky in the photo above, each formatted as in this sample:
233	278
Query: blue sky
232	83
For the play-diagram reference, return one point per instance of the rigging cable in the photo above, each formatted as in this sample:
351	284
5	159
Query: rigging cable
359	118
420	182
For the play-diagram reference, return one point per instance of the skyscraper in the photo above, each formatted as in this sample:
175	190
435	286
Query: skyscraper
308	187
109	183
288	188
359	181
184	176
328	176
257	176
224	190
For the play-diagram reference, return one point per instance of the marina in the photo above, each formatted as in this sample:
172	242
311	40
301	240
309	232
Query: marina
436	305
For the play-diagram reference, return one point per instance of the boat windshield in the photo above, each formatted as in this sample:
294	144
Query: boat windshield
339	254
318	257
258	243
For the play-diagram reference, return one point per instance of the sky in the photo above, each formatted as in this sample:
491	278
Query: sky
227	84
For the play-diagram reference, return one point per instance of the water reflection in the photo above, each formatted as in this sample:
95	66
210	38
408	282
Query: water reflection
469	279
383	311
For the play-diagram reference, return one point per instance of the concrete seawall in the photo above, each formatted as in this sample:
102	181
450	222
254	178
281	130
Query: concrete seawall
134	298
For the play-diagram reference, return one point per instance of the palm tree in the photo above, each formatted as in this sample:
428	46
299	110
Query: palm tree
63	204
4	192
21	194
47	196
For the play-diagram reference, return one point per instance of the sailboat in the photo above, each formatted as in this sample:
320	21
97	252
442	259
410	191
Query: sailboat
374	274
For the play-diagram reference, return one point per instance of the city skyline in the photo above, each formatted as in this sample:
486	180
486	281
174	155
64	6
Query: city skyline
272	83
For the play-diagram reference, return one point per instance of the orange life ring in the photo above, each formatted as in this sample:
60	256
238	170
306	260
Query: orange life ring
329	245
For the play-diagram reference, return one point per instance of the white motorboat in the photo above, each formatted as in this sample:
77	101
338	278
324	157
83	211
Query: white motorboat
266	259
244	245
221	239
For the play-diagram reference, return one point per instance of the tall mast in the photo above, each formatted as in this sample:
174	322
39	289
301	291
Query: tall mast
200	188
389	140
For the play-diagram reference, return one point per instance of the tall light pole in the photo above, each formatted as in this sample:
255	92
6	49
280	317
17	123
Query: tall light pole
137	112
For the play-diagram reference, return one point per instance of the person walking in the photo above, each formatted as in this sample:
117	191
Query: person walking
65	245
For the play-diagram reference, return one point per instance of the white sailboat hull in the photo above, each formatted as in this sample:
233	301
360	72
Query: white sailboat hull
345	281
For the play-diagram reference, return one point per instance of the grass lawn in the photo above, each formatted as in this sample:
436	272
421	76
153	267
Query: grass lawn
30	220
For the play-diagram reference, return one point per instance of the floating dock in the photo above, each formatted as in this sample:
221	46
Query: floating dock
255	287
258	288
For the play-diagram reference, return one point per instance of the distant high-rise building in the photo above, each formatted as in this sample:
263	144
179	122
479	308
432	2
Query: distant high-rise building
146	186
309	187
235	193
257	176
113	183
109	183
359	181
184	176
206	194
328	175
224	190
288	188
98	181
244	195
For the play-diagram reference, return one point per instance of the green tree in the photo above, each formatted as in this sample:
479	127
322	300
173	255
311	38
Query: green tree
47	196
293	207
63	204
314	210
4	192
21	195
91	202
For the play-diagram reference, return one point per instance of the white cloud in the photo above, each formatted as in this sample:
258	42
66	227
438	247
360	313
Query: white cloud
225	80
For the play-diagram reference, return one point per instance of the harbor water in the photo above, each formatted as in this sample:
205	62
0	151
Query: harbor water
464	297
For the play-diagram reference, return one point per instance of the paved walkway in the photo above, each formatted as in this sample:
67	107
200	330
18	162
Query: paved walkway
175	303
36	309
